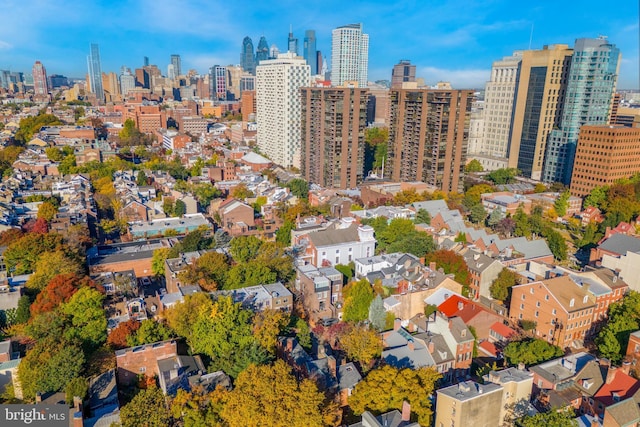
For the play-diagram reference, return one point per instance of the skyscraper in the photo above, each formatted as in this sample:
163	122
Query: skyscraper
590	88
262	52
278	83
292	43
177	65
145	61
95	72
333	124
247	58
40	79
428	136
349	55
309	51
218	82
274	52
403	72
127	81
171	72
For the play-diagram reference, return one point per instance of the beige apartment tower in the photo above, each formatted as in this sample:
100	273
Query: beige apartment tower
428	136
538	106
333	124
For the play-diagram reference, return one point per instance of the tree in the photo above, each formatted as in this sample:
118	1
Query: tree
473	166
21	256
503	176
59	290
47	211
303	334
49	266
386	388
141	179
179	208
22	312
506	226
119	336
54	154
157	261
245	248
417	243
473	195
557	245
357	299
361	344
553	418
422	217
267	326
597	198
88	320
522	227
478	214
562	203
531	351
241	192
270	396
283	233
76	387
494	218
377	314
623	318
347	272
183	317
499	289
167	206
149	332
451	263
196	408
146	409
209	271
299	188
49	366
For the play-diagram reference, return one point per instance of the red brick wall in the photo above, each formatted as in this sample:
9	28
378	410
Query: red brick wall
130	363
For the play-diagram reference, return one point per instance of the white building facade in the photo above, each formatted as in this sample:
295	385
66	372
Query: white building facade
278	107
349	55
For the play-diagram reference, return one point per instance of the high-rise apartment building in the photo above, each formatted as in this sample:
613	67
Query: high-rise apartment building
309	52
590	89
499	96
218	82
171	73
262	52
127	81
145	61
604	154
349	55
537	109
95	72
110	86
333	124
40	79
428	136
292	43
247	58
274	52
278	83
402	72
177	65
234	75
247	82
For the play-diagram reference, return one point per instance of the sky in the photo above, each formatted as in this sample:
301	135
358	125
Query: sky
448	40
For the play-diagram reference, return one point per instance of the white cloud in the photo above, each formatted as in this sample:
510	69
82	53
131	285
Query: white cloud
459	79
5	45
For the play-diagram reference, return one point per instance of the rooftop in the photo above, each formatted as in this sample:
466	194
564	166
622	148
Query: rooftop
469	390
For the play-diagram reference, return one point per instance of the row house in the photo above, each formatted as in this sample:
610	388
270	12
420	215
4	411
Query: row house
274	296
320	290
483	270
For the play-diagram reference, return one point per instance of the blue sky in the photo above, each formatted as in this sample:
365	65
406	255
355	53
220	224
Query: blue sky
454	40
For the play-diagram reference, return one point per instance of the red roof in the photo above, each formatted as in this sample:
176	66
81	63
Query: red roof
622	384
451	306
488	348
470	311
502	330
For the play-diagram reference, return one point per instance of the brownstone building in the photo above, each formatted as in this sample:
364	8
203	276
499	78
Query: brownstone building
333	123
604	155
236	217
428	136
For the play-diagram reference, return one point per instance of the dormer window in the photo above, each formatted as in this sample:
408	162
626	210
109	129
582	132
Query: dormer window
615	396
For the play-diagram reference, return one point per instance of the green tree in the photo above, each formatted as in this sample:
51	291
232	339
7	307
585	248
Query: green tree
157	261
361	344
478	214
183	316
303	333
562	203
22	255
473	166
283	234
54	154
76	387
557	245
553	418
451	263
499	289
245	248
503	176
417	243
494	218
68	165
49	266
597	198
141	178
22	312
268	325
357	299
179	208
47	211
147	409
299	188
270	396
377	314
623	318
386	388
88	321
422	217
347	272
531	351
149	332
522	227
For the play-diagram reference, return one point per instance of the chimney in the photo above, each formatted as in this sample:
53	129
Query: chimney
77	404
77	419
39	397
331	363
432	347
432	266
521	366
626	367
406	411
397	324
611	374
410	345
289	345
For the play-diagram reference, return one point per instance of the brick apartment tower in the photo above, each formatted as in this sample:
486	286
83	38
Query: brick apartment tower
333	123
428	136
604	154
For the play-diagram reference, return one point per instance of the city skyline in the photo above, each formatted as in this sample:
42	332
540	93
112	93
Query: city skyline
458	44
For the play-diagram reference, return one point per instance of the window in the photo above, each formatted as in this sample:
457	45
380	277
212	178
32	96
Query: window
536	314
531	290
546	297
553	311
